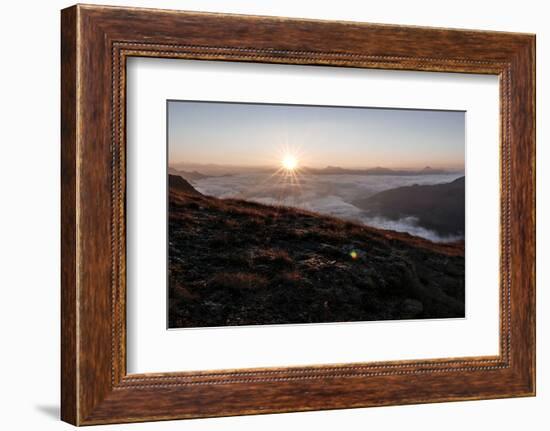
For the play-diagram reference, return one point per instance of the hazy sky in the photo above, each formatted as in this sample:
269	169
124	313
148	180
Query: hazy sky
244	134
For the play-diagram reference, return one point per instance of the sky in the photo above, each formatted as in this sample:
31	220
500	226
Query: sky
245	134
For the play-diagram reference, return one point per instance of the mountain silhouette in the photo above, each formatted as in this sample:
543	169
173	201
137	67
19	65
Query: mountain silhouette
438	207
178	183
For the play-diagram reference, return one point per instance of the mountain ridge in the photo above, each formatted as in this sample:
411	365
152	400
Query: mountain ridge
197	171
180	184
438	207
336	170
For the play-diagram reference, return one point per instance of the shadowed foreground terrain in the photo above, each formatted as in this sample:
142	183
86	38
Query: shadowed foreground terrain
235	262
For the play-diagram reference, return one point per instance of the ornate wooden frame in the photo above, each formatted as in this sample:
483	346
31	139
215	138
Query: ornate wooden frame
96	41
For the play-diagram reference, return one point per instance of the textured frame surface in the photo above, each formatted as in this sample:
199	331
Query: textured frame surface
96	41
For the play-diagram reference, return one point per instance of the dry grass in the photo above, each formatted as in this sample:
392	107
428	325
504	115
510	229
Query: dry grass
237	281
235	262
230	223
292	277
276	258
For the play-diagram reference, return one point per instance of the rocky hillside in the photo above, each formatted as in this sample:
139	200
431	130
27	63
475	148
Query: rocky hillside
234	262
180	185
439	207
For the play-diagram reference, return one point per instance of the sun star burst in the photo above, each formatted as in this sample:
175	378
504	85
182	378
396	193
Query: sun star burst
289	163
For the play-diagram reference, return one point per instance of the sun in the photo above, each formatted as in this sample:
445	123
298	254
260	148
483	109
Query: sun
289	163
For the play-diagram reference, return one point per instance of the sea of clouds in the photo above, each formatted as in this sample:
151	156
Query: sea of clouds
326	194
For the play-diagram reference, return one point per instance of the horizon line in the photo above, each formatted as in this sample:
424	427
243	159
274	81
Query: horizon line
220	165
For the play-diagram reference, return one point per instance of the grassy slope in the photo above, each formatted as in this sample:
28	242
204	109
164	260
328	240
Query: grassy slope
234	262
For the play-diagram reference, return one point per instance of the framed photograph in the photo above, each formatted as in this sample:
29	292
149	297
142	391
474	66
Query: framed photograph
264	215
284	219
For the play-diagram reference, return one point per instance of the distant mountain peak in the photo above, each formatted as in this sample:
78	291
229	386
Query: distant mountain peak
378	170
438	207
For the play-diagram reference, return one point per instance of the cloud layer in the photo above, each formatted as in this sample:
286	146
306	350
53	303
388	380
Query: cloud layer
325	194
